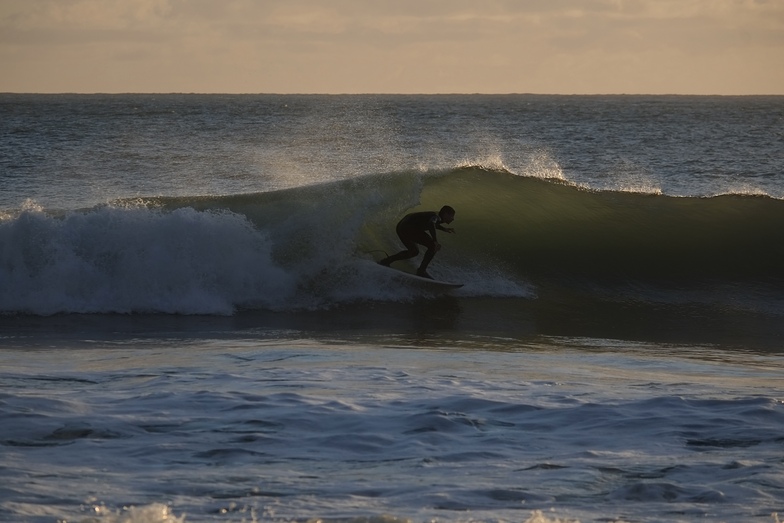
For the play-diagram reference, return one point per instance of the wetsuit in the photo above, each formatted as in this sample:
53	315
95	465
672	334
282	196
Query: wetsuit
413	229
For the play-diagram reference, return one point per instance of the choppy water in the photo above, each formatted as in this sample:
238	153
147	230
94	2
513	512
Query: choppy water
193	329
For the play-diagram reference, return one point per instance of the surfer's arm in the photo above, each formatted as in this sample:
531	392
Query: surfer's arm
433	225
440	227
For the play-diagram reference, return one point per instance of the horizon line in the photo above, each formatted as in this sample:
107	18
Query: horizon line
455	93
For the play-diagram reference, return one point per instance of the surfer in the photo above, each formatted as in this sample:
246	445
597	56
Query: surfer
413	229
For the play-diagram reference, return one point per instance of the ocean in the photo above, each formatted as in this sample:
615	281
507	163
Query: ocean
193	327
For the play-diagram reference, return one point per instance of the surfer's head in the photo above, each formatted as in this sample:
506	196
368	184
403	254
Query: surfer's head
447	214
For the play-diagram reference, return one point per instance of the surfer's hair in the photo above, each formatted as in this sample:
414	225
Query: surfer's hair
446	209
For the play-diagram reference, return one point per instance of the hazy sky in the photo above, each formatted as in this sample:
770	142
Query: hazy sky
393	46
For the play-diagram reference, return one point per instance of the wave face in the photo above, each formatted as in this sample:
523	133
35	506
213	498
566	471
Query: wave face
543	226
310	247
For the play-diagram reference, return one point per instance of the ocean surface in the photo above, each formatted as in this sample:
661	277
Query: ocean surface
193	328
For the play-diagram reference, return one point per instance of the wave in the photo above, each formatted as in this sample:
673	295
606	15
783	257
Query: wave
309	247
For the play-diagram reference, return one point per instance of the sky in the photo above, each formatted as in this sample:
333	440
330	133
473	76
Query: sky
726	47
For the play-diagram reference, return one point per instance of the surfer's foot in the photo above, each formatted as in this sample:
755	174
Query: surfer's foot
385	262
423	274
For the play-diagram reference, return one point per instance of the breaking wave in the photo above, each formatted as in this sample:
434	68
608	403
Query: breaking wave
310	247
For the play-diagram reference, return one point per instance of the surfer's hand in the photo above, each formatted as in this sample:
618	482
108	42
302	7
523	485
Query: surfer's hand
450	230
437	246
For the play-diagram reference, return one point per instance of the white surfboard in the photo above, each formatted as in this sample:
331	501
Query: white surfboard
425	281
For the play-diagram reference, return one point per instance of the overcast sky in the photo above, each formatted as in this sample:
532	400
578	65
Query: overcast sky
393	46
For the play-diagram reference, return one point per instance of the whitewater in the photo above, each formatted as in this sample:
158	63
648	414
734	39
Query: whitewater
193	326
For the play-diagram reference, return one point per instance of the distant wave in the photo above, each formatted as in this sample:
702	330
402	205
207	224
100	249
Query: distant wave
309	247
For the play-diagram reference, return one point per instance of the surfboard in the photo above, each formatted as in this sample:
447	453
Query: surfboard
425	281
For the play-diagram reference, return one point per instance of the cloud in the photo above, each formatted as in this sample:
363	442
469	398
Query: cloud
400	46
77	15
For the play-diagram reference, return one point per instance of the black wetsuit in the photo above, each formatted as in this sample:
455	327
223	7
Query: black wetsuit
413	229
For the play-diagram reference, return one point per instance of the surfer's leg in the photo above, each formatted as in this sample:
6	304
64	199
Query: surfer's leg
402	255
422	271
427	241
411	248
